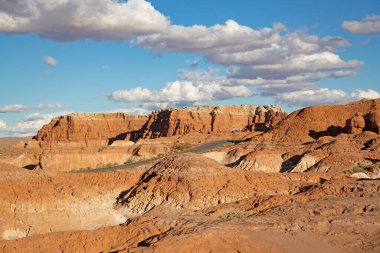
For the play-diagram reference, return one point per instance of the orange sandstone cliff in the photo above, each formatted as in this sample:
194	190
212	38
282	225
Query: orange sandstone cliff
87	129
98	129
209	119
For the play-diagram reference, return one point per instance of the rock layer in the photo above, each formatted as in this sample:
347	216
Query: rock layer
209	119
311	123
87	129
99	129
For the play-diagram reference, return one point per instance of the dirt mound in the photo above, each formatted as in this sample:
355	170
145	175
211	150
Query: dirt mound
191	182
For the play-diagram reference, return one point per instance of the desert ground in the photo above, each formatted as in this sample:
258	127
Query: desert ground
198	179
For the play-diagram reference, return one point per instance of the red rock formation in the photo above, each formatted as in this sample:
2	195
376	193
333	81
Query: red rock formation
311	123
356	124
87	129
209	119
93	130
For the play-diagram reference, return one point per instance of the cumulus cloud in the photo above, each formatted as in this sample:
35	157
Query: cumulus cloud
69	20
181	91
369	25
191	87
313	63
301	82
34	121
48	106
272	58
324	96
3	124
13	108
230	37
50	61
21	107
132	110
30	124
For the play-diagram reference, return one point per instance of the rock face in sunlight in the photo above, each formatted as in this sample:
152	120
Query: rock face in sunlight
329	138
87	129
93	130
210	119
311	123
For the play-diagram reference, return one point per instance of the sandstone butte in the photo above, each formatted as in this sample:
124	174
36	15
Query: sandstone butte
91	130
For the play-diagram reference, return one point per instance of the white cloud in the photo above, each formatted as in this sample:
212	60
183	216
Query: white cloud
369	25
48	106
230	37
21	107
272	55
50	61
324	96
313	63
3	124
13	108
132	110
132	95
181	91
191	87
34	121
69	20
30	124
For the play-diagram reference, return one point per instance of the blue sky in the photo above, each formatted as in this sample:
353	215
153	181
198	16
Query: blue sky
137	56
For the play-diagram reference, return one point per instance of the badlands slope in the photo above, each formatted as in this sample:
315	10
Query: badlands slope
307	182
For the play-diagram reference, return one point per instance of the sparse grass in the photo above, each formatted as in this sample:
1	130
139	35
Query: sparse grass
356	169
11	152
234	214
132	160
179	147
85	168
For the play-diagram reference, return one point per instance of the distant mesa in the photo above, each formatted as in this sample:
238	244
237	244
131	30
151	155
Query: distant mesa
99	129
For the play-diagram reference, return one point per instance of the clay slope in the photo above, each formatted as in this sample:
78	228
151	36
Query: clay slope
193	204
311	123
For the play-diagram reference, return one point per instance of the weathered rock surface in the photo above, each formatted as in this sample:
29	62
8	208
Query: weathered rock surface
309	124
209	119
329	138
99	129
189	204
87	129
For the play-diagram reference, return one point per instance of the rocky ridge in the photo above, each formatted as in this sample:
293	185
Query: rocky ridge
208	120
